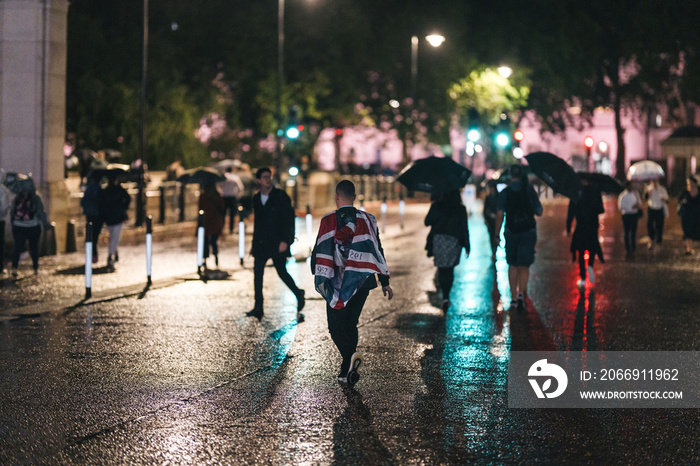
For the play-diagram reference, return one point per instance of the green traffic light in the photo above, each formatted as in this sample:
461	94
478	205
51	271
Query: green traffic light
292	132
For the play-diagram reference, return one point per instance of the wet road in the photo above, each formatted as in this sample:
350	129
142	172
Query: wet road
176	374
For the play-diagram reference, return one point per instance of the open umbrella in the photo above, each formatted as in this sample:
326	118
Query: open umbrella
227	163
555	172
435	175
604	183
202	175
113	171
19	183
645	170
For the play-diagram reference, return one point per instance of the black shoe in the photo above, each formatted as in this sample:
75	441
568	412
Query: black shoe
521	302
301	300
256	312
116	257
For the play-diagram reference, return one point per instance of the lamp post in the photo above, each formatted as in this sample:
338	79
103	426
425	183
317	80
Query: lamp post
141	196
280	85
435	40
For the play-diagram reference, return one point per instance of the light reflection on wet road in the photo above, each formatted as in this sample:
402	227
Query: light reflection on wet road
182	376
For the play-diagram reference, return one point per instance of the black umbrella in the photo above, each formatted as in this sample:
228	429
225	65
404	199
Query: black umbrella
555	172
604	183
435	175
19	183
113	171
202	175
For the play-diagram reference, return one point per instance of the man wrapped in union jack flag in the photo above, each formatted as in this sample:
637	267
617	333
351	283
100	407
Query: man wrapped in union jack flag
346	259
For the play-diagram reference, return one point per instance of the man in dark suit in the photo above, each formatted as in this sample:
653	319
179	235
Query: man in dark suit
272	236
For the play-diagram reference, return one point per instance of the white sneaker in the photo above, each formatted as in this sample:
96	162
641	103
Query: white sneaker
591	275
581	283
353	376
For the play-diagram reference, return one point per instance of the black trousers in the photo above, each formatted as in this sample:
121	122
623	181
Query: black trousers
280	263
211	242
21	235
629	224
231	205
582	263
655	224
493	234
342	324
446	276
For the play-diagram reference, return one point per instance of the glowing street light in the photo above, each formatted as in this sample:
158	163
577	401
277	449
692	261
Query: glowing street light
505	71
436	40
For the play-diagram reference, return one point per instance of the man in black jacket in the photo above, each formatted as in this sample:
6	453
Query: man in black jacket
272	236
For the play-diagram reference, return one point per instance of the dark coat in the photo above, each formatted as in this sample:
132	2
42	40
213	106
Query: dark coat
448	218
273	224
212	204
113	202
585	210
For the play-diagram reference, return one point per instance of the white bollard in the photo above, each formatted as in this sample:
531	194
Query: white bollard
241	241
200	242
383	211
88	261
149	247
309	228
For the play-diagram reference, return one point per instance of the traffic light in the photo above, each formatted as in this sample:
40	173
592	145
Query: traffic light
518	136
502	139
293	132
588	144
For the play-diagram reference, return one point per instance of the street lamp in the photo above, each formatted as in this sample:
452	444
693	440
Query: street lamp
141	196
436	40
280	84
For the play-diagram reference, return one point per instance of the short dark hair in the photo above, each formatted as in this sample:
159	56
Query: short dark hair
516	172
259	173
345	189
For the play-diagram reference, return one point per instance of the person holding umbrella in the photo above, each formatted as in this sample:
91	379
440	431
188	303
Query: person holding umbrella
518	204
449	233
585	211
630	205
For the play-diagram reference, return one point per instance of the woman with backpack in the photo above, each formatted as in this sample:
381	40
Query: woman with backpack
113	202
27	215
449	233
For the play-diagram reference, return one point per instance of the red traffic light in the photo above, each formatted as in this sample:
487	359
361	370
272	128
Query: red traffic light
518	135
588	142
338	132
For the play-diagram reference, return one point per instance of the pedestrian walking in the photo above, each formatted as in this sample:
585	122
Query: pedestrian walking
91	209
5	205
490	214
689	211
273	235
28	216
231	190
211	202
449	233
345	261
630	205
657	210
113	202
519	204
585	211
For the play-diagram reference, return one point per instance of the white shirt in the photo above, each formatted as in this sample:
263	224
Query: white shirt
657	197
264	198
629	202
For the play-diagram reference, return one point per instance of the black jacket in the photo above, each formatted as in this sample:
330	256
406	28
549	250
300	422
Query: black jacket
274	223
447	218
113	202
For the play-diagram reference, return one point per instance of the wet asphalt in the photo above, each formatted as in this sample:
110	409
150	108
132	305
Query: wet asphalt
176	374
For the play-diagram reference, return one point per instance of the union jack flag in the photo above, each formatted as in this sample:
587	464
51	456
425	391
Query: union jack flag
346	255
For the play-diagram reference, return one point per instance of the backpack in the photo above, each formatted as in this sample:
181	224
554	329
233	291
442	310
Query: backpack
519	214
24	209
